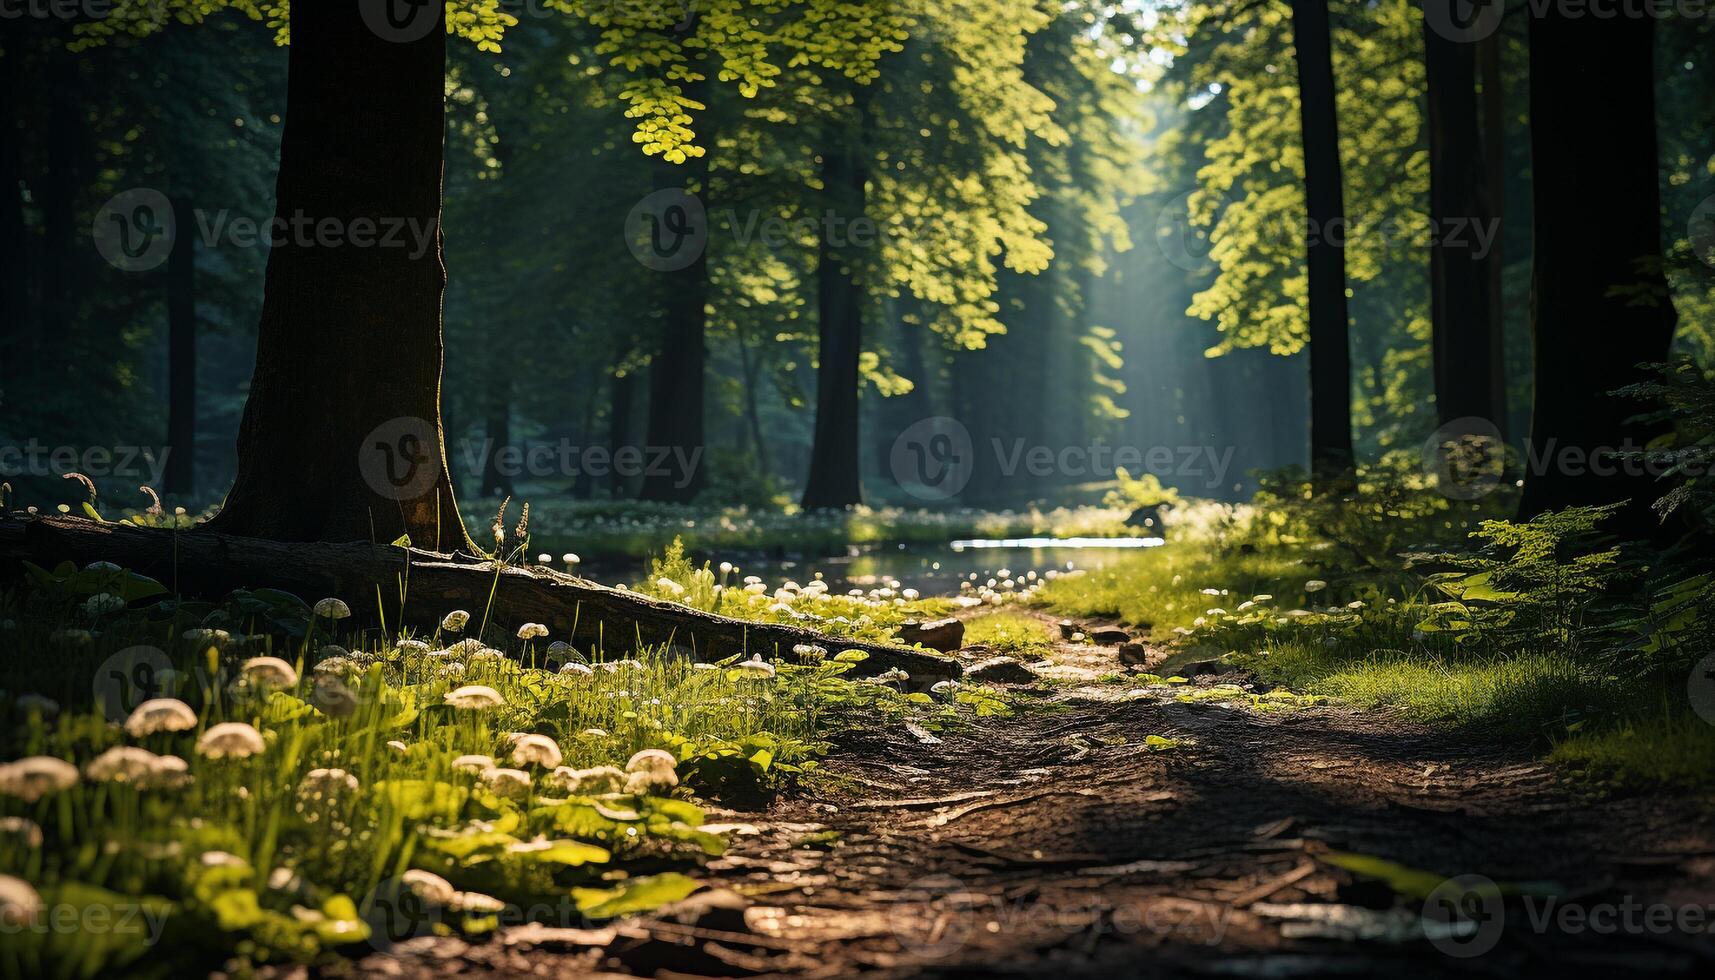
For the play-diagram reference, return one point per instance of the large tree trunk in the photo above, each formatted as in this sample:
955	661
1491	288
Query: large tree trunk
14	243
1330	345
341	437
1494	113
595	618
676	371
180	476
1600	302
834	479
1465	323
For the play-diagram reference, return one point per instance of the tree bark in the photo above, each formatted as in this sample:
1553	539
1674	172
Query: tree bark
1330	345
676	371
1600	301
1465	323
179	479
1494	112
341	437
591	616
14	242
834	479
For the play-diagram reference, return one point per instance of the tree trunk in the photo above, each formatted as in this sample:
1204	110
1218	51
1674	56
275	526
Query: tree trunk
180	477
1494	113
1465	323
1330	346
623	388
14	242
752	417
58	185
606	621
1600	302
834	473
341	437
676	372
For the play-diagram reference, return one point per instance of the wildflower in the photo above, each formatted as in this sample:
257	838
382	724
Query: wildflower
333	698
103	604
810	653
24	828
398	746
455	621
19	903
575	669
333	609
320	784
536	750
594	733
121	764
454	669
1315	585
168	772
589	782
37	704
269	673
669	586
474	763
532	631
726	568
512	784
466	647
944	689
910	595
428	886
231	738
285	880
651	769
413	646
35	777
160	715
757	668
474	697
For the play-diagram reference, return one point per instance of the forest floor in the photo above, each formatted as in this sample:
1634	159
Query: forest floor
1272	838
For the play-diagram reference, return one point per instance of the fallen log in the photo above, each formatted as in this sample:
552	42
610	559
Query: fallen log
415	588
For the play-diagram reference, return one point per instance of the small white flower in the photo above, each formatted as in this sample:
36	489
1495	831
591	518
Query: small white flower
428	886
333	609
536	750
32	778
757	668
589	782
26	830
726	568
1315	585
333	698
474	697
233	739
398	746
476	902
221	859
19	903
532	631
575	669
474	763
455	621
669	586
160	715
121	764
326	783
512	784
269	673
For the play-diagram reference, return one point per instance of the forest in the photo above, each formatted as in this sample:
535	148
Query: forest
730	488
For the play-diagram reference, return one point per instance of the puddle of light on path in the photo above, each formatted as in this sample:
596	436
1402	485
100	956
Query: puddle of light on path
982	543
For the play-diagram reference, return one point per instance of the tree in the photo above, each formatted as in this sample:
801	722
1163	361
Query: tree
180	475
1324	196
1469	363
1601	305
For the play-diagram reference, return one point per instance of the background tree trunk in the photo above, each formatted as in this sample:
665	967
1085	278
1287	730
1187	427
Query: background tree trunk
497	436
14	242
834	479
179	479
1466	324
623	391
676	372
1600	302
1330	345
341	437
1494	112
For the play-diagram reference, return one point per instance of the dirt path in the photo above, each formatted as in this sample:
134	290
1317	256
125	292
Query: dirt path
1054	842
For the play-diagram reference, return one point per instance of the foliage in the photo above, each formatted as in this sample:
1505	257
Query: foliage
1143	491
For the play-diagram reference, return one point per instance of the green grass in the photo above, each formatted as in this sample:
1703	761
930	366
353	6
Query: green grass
287	852
1010	632
1670	748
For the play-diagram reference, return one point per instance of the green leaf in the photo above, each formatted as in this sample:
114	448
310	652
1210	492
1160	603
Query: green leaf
636	895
